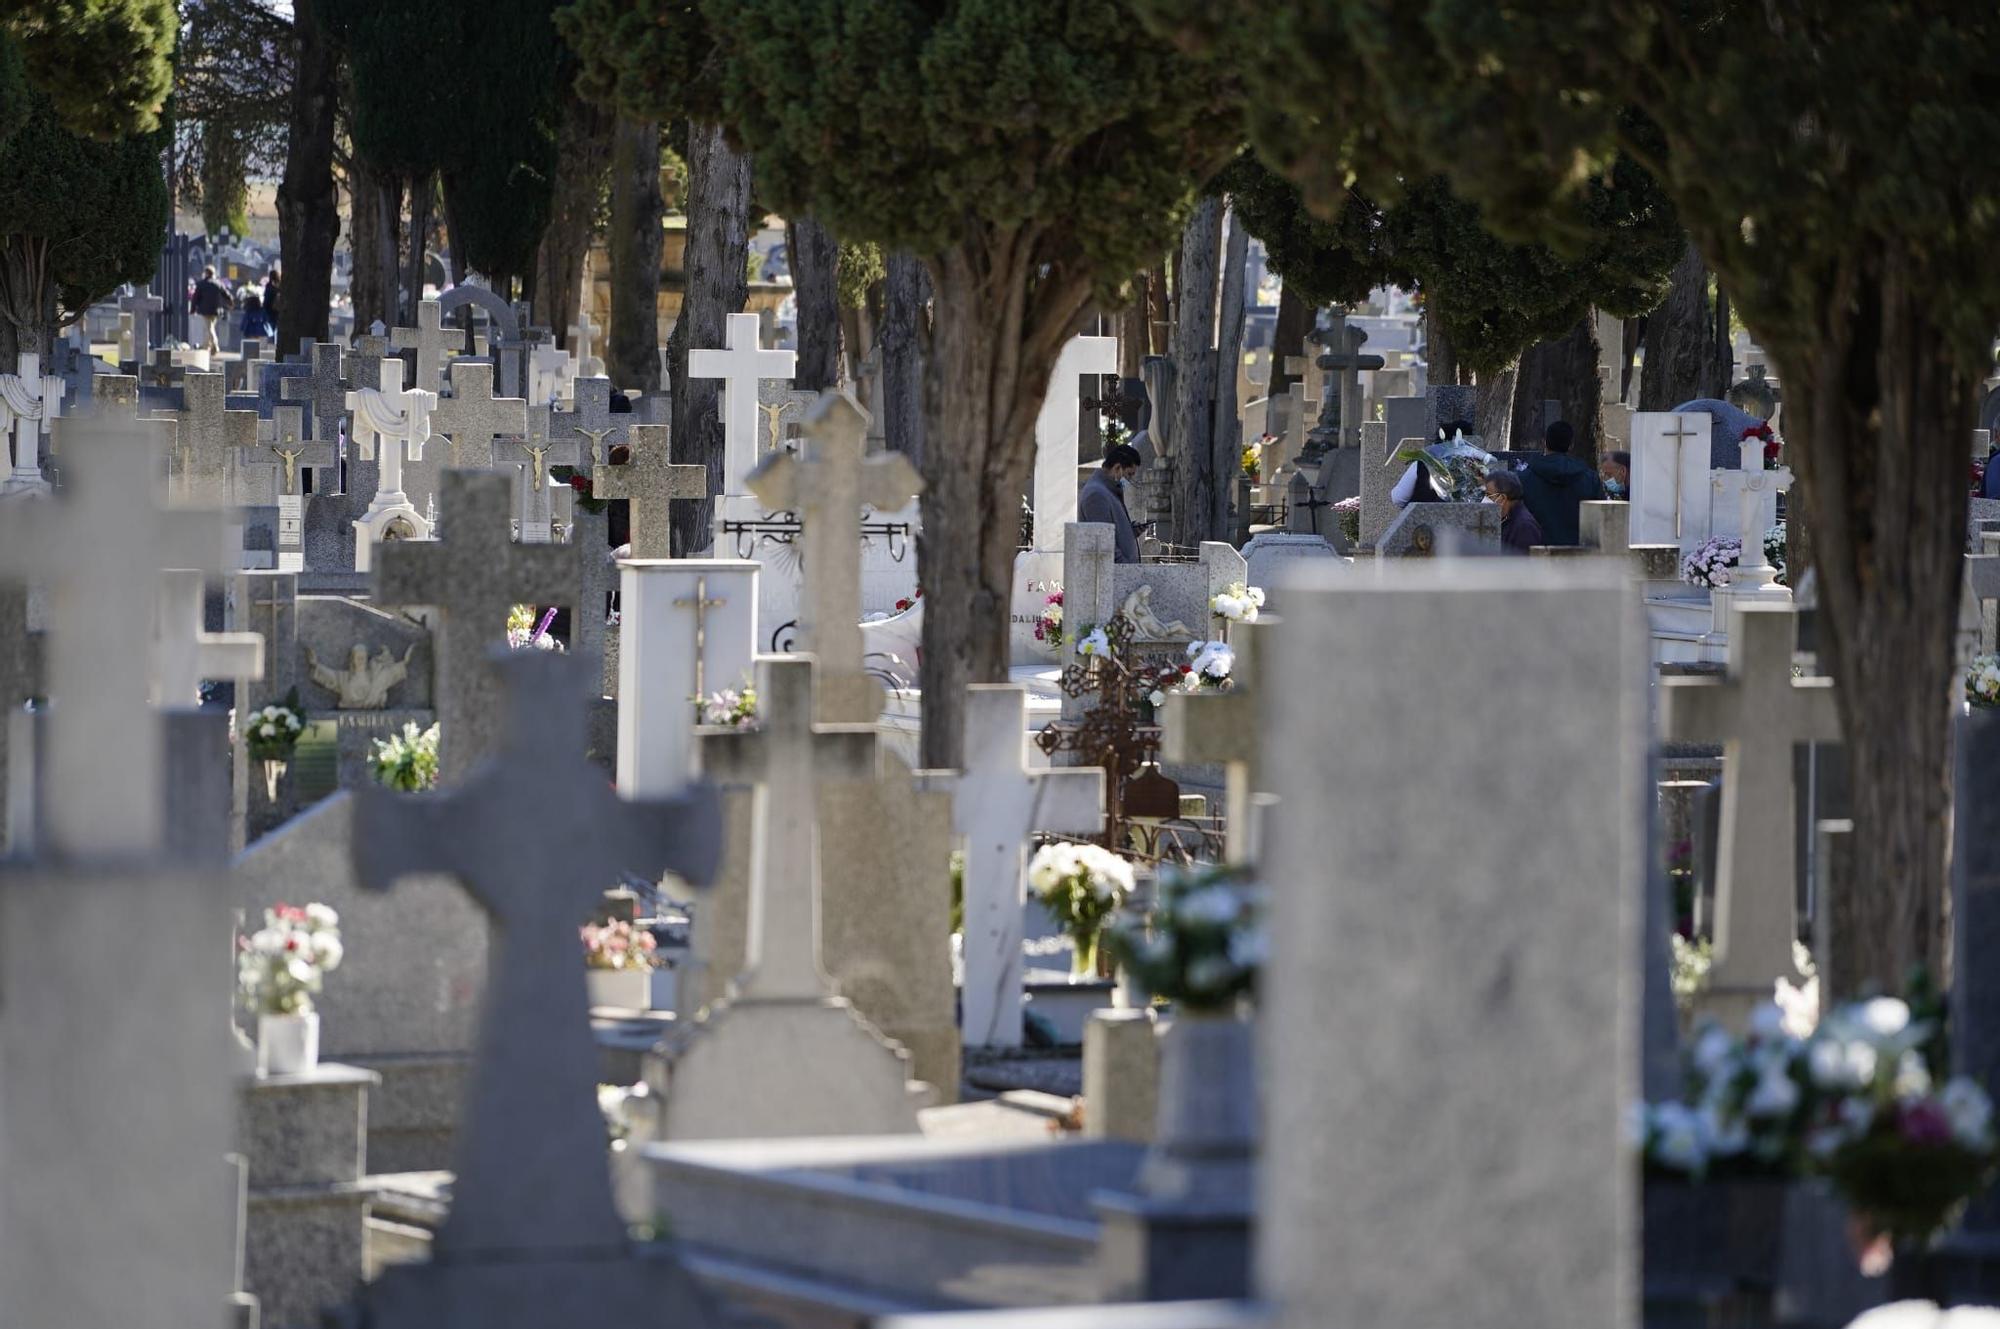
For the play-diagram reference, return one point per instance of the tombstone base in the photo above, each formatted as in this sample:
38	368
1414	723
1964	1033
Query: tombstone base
765	1067
628	1286
1121	1075
1148	1250
1730	1004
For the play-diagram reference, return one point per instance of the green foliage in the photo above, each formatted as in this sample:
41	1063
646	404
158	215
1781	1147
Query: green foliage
99	208
404	64
927	126
105	65
645	56
224	192
861	266
1495	298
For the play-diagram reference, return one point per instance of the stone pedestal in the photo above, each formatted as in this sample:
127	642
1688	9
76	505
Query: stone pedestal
1121	1075
306	1234
685	649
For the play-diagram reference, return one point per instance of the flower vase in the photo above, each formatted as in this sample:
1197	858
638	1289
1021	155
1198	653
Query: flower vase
1205	1129
1083	956
624	989
287	1044
274	771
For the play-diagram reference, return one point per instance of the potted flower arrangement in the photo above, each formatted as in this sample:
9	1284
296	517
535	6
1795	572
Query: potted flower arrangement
1347	513
1253	461
1049	627
1080	885
407	761
1710	564
1237	604
618	961
1774	551
1857	1103
271	735
278	969
1201	948
1982	683
731	708
524	631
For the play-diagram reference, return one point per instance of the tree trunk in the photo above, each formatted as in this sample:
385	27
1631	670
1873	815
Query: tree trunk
1440	361
1287	335
815	279
997	327
1681	362
718	283
632	358
904	334
27	322
1565	371
376	201
1878	409
1227	424
423	198
1132	331
1494	408
1195	479
308	207
583	155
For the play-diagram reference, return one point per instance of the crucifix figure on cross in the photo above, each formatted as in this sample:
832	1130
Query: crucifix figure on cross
827	483
531	1185
740	367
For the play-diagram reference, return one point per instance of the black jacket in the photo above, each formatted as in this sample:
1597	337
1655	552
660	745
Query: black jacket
1555	484
1518	531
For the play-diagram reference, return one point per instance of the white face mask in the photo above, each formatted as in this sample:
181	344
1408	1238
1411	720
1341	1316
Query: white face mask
1490	501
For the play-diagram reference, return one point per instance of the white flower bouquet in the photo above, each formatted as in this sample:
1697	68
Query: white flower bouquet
1094	642
281	965
1982	681
271	732
731	708
1204	943
1711	564
1458	468
1080	885
407	761
1239	603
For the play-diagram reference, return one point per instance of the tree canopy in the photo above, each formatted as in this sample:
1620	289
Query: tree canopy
106	66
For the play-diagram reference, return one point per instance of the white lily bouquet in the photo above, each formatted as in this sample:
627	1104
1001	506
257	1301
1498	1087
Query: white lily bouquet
1080	885
282	965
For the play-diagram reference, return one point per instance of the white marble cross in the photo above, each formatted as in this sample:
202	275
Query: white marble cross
827	483
390	425
1756	490
582	342
1670	499
184	654
1758	712
1056	435
649	481
740	367
428	340
531	1179
29	401
95	552
998	801
787	757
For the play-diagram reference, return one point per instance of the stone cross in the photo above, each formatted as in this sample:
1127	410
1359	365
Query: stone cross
590	417
536	501
531	1177
141	304
582	335
95	553
294	451
118	394
1056	482
1758	712
185	654
551	375
998	801
827	483
325	390
209	433
472	417
740	367
279	599
272	376
471	577
29	402
649	481
1670	455
1344	359
427	338
364	362
786	758
1222	726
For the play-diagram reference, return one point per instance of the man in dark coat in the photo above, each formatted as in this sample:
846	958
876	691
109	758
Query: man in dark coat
1518	530
1554	484
1101	500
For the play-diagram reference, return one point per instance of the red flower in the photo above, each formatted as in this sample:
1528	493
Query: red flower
1187	669
581	484
1925	1123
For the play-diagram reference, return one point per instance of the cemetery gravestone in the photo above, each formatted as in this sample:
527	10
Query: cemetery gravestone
649	481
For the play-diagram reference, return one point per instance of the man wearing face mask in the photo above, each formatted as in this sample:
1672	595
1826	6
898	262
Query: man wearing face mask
1102	500
1519	531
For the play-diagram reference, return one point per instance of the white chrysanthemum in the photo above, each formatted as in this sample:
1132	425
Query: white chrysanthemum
1678	1140
1775	1095
322	916
328	951
1970	1112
